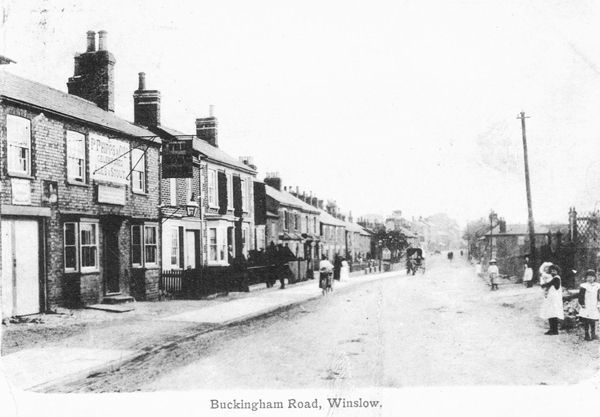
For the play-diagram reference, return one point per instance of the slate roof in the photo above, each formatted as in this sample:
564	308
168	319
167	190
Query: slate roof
289	200
211	152
327	218
25	91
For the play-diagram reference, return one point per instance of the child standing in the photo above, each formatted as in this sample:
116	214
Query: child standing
589	295
552	306
493	274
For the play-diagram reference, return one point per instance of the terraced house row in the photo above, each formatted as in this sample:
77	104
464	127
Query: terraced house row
94	206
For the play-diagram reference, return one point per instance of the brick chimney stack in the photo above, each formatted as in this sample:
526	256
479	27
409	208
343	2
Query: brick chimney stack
273	180
146	104
93	77
207	128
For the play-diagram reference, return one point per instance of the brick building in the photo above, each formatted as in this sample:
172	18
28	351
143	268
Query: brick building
80	195
294	224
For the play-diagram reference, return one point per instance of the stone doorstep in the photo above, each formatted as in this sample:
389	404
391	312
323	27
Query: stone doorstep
118	299
113	308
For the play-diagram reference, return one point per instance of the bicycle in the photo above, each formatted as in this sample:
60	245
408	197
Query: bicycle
326	282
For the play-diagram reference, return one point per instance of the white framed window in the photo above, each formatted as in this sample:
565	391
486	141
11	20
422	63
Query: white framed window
18	132
175	247
244	184
138	171
230	191
260	238
144	245
213	198
286	220
76	156
212	244
173	192
81	246
315	225
189	188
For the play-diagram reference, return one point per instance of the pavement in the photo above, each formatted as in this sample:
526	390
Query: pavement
107	346
39	368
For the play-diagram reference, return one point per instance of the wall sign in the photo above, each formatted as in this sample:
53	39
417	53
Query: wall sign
111	195
178	159
21	191
109	159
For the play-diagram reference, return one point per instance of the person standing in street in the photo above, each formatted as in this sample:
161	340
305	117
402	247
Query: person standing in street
337	266
528	276
493	274
589	295
345	270
552	306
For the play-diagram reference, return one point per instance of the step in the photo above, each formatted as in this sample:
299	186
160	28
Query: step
118	299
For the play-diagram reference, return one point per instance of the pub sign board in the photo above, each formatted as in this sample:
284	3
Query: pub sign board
178	159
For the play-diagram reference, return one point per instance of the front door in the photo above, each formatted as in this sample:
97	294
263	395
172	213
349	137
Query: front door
20	267
112	263
191	249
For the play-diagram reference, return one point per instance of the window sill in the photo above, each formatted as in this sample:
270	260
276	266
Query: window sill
20	175
139	192
78	184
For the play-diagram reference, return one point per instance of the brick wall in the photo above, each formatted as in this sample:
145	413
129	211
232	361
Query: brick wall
49	162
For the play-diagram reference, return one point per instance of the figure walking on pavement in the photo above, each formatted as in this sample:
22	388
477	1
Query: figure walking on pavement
337	266
589	295
493	274
552	306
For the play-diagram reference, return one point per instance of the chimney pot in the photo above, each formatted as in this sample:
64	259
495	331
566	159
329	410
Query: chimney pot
102	46
142	84
91	41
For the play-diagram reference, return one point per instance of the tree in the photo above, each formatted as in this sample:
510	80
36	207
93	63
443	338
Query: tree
394	240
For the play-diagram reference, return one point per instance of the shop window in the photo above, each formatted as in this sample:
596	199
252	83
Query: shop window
18	131
144	245
81	246
138	171
76	157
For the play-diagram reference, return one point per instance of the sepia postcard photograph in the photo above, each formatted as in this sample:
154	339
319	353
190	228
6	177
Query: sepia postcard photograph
303	208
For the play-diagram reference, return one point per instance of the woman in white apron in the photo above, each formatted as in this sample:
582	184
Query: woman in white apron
552	306
589	295
345	270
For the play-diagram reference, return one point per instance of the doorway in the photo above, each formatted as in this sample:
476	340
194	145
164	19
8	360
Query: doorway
112	264
20	267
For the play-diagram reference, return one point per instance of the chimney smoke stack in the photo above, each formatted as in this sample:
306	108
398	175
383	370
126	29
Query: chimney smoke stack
142	83
91	41
102	41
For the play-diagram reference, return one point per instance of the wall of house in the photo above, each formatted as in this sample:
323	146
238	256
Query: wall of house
77	201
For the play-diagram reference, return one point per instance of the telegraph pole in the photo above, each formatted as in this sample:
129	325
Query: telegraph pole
532	254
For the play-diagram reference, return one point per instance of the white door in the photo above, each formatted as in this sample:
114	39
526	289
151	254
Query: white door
190	249
20	268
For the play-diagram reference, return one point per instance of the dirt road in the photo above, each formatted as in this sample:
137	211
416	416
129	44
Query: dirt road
444	328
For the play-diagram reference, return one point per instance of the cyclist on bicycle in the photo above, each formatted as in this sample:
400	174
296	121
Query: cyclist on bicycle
326	270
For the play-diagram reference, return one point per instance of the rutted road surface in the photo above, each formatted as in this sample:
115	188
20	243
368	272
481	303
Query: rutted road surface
444	328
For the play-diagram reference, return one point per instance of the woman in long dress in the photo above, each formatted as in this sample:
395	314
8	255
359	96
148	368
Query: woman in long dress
552	306
344	270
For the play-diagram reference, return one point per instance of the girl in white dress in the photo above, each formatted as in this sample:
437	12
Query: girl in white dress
552	306
345	270
589	295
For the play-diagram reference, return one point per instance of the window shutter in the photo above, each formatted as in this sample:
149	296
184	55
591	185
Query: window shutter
222	186
260	203
237	196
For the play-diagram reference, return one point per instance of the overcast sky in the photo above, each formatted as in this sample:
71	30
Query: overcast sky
379	105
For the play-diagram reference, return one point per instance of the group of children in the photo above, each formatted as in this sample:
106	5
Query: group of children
552	306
